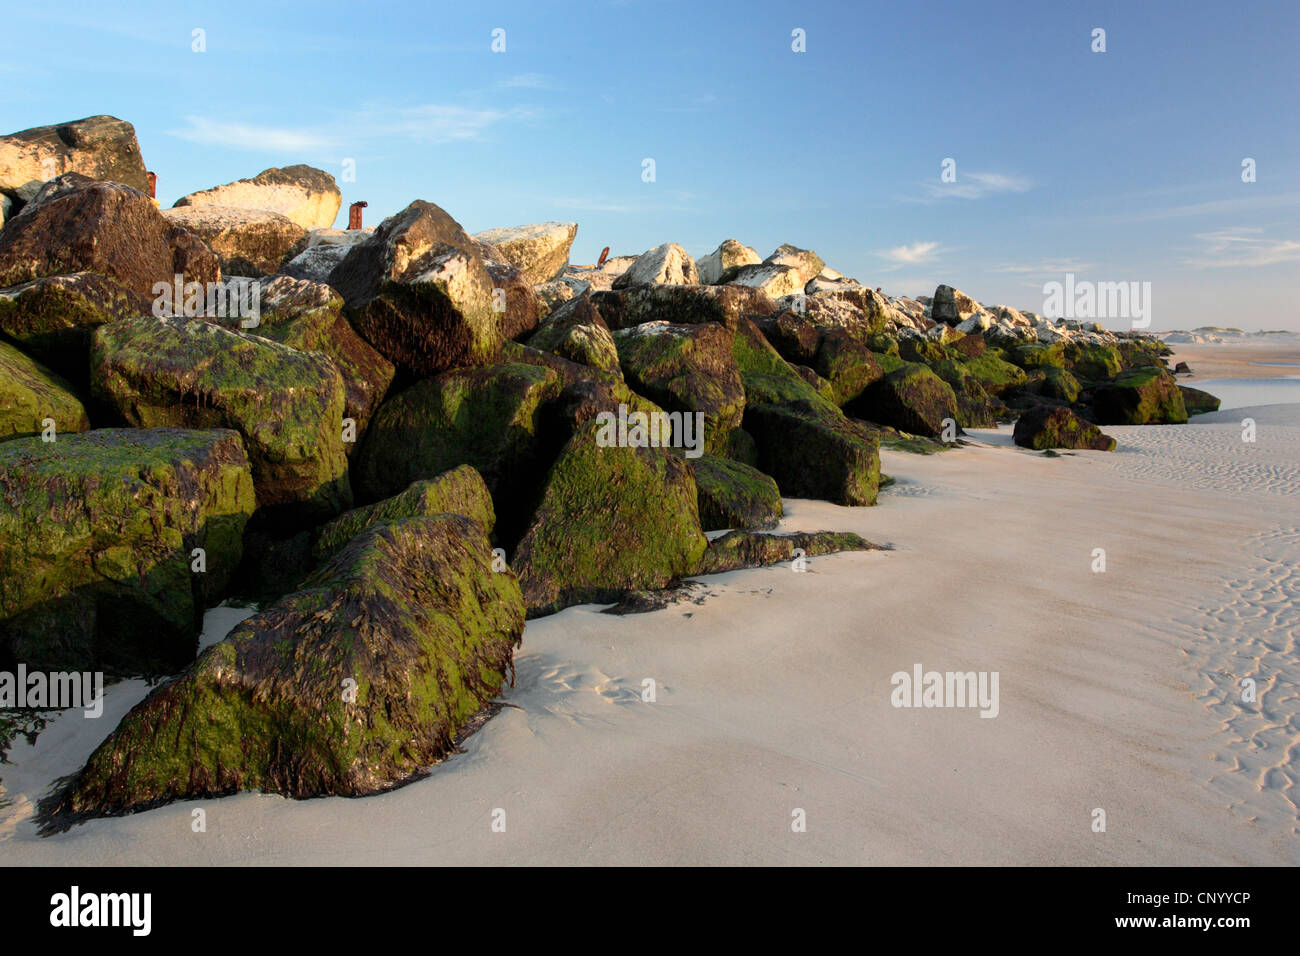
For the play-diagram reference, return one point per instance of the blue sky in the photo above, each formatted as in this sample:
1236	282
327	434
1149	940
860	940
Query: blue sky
1116	166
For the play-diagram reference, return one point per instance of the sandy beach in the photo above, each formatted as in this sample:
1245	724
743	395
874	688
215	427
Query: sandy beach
1118	691
1247	359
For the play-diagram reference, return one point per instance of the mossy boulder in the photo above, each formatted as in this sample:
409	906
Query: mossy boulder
767	377
734	495
308	316
97	535
485	417
1059	384
993	372
1048	427
513	298
1144	396
918	348
460	491
680	305
1198	402
744	549
848	365
813	451
190	373
1095	363
1032	356
54	319
575	331
355	683
686	368
250	242
611	519
912	399
30	395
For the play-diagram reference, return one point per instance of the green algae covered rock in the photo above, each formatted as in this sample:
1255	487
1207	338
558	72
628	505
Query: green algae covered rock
744	549
31	395
54	319
734	495
767	377
1142	396
97	536
1198	402
1047	427
611	519
912	399
1059	384
686	368
189	373
575	331
848	365
307	316
357	682
1095	363
993	372
813	451
460	491
486	417
1039	356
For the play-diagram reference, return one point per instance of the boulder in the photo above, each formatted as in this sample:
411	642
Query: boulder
734	495
1144	396
97	542
773	280
487	417
952	306
813	451
318	253
1095	363
611	519
551	295
680	305
304	194
912	399
663	265
1198	402
287	405
76	225
98	147
577	332
1047	427
460	491
1059	384
859	311
732	254
307	316
744	549
993	372
540	251
54	318
805	262
513	298
420	293
30	395
355	683
767	377
250	242
686	368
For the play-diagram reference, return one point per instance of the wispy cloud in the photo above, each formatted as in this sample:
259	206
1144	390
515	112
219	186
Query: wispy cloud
1045	267
917	252
971	186
1242	248
425	123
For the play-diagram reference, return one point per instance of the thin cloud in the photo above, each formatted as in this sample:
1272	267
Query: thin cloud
971	186
1046	267
914	254
1242	249
427	123
528	81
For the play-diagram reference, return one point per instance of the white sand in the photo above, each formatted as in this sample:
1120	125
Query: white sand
1117	691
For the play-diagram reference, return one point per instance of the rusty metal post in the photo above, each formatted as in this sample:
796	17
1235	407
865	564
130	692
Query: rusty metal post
354	214
604	254
153	185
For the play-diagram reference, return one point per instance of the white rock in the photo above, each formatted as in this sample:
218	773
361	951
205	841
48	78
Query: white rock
667	264
774	280
731	253
540	251
307	195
